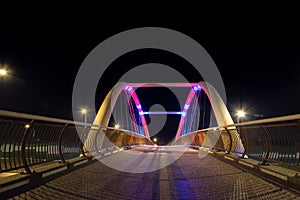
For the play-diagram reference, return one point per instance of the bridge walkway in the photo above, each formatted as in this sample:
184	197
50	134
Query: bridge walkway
189	177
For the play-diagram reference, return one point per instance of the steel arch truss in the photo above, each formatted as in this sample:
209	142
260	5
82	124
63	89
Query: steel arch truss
218	106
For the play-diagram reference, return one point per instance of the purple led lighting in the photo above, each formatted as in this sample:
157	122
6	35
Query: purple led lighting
141	113
128	88
178	113
186	106
139	106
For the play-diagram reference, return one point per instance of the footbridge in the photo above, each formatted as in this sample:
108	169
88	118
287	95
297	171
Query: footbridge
49	158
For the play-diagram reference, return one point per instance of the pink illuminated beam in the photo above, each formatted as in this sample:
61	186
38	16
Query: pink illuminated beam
177	85
139	107
185	110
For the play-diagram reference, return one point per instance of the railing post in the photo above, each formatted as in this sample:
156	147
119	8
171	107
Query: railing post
246	142
268	144
230	139
61	135
82	149
23	146
85	129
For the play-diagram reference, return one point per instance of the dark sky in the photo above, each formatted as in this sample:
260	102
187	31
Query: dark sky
258	55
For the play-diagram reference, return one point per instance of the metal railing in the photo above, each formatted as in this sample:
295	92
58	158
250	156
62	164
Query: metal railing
27	140
270	141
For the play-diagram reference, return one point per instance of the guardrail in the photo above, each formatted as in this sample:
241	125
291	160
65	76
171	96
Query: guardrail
27	140
270	141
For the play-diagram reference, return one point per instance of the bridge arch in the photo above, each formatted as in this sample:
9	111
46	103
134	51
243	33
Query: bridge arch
105	111
219	108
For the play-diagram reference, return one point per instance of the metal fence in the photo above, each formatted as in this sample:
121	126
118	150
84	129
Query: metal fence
270	141
27	140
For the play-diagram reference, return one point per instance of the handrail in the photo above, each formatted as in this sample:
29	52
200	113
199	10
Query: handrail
273	140
6	113
269	120
254	122
12	114
24	143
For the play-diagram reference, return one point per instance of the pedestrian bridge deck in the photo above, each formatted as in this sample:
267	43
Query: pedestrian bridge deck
189	177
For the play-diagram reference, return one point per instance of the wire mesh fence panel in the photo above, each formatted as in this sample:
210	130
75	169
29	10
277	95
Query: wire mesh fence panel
256	142
11	134
285	143
28	140
71	143
273	141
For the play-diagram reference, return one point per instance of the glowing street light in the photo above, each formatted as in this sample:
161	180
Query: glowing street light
240	114
84	112
155	140
27	126
3	72
117	126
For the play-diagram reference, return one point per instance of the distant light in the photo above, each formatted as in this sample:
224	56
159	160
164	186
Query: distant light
186	106
258	115
27	125
83	111
3	72
241	113
154	139
117	126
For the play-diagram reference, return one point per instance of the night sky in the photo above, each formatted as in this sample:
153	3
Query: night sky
258	57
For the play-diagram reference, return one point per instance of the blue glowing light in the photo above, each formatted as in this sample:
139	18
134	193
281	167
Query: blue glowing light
197	88
162	113
183	114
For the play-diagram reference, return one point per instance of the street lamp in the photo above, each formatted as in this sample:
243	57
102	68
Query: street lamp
117	126
84	112
155	140
3	72
240	114
27	126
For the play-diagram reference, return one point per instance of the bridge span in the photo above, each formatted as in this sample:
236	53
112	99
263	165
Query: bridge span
45	158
